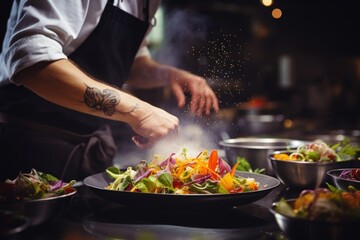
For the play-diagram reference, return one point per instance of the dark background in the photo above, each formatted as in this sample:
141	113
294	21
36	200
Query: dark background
5	6
238	47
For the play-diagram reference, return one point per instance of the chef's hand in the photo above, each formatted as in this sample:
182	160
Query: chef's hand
203	99
147	73
157	124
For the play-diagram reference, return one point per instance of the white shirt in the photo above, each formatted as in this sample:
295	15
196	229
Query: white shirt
50	30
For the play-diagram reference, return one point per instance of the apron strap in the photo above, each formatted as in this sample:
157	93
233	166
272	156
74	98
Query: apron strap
147	11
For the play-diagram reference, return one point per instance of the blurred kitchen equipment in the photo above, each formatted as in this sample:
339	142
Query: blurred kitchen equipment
334	136
340	181
38	211
254	124
259	116
256	150
304	174
311	229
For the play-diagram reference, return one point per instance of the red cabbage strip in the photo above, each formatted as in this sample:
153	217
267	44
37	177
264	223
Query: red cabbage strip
138	176
224	167
169	161
142	172
198	179
166	170
346	174
56	185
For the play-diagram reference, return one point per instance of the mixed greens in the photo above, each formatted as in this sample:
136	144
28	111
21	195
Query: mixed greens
183	174
245	166
319	151
34	185
323	204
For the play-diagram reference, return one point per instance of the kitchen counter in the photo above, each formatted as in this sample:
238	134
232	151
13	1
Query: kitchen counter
91	217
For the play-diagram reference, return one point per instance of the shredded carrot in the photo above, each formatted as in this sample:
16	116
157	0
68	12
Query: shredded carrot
233	170
213	161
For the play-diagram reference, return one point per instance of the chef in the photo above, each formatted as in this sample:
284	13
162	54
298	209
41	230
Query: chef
62	66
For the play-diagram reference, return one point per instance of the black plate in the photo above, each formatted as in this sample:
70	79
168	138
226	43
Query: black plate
98	183
341	182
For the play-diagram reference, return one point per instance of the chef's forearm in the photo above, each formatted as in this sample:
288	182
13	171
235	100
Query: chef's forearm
154	74
62	83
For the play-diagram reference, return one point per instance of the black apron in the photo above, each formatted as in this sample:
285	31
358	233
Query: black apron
35	133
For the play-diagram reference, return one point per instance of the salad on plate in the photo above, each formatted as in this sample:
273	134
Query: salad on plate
206	173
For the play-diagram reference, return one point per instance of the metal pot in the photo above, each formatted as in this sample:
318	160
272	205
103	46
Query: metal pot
38	211
261	124
256	150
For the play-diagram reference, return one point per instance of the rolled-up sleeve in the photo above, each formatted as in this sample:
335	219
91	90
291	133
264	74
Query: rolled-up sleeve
30	50
43	31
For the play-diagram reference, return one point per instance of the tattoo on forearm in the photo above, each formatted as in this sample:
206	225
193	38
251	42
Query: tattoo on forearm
105	101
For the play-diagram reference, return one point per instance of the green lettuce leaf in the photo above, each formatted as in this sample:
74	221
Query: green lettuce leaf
146	185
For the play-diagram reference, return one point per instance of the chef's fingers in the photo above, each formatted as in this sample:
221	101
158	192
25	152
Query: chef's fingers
194	104
179	94
208	106
141	142
213	102
201	106
145	143
204	103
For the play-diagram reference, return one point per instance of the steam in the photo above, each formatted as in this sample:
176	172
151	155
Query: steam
191	136
181	28
187	32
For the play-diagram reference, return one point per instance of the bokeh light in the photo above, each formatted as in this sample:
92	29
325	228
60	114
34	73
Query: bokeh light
276	13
